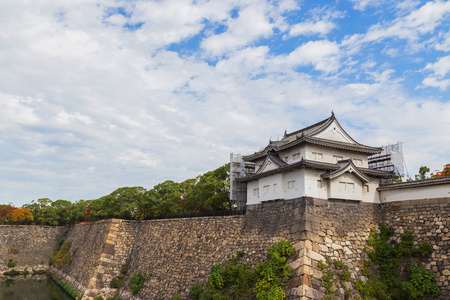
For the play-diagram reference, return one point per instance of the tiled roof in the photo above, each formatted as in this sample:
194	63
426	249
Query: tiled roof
311	164
416	183
305	135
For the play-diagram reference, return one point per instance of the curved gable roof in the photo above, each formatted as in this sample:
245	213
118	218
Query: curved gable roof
350	168
316	134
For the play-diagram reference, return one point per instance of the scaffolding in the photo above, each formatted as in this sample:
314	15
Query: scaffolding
389	159
238	190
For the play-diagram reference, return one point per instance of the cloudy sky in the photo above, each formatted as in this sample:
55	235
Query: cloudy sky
97	95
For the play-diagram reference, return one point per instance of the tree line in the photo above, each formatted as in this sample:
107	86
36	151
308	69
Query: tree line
207	192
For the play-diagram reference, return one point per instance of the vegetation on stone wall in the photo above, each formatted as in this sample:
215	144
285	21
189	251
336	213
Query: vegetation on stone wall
62	256
117	282
394	270
13	251
207	192
237	281
138	279
11	263
334	271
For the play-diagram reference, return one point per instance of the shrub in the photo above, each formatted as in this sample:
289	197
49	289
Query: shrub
138	279
387	257
114	284
11	263
12	273
237	281
124	268
13	251
136	282
196	291
61	257
177	297
98	298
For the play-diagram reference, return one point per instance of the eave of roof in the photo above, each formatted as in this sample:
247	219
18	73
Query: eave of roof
416	183
303	163
312	128
348	167
316	141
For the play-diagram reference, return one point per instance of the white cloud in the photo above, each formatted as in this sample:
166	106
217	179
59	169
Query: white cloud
363	4
308	28
323	55
251	24
439	69
444	45
87	106
421	21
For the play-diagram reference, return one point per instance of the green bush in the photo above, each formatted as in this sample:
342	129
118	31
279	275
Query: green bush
136	282
387	257
114	284
11	263
13	251
138	279
236	281
98	298
61	257
177	297
124	268
196	291
12	273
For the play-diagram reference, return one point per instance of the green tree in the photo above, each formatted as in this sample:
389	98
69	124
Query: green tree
422	173
65	211
211	191
164	197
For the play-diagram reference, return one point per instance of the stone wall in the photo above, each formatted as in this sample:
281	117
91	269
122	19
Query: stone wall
35	244
428	220
334	229
182	251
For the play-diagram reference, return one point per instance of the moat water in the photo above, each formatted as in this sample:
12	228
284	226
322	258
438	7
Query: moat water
31	288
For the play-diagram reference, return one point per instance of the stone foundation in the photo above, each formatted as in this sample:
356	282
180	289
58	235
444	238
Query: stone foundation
182	251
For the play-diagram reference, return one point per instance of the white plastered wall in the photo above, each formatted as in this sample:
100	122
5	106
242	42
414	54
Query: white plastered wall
290	154
258	163
416	193
271	187
347	186
251	197
312	185
372	196
294	184
334	133
330	153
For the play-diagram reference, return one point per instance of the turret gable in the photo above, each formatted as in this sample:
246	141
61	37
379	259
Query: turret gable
272	162
348	166
326	133
328	129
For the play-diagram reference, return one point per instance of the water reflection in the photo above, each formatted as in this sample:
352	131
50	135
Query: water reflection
38	287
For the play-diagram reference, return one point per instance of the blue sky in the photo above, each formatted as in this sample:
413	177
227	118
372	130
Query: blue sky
97	95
